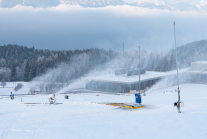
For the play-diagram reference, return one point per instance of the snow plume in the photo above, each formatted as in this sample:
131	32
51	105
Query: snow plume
127	60
171	80
81	68
67	72
76	73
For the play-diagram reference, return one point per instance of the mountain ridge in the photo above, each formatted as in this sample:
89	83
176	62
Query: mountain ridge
171	5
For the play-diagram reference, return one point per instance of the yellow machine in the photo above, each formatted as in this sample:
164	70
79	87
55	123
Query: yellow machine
133	106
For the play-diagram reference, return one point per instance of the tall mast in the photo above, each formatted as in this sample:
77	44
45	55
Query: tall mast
178	105
139	68
123	48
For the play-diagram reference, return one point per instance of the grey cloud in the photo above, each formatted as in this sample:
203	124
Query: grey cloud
103	28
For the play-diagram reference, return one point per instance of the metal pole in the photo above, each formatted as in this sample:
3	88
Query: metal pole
15	86
139	69
178	106
123	48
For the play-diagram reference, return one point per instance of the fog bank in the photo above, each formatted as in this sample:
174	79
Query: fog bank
74	27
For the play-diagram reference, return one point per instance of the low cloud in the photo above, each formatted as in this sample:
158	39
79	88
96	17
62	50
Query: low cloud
74	27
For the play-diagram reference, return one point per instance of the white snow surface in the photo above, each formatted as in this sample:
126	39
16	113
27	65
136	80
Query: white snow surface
128	79
10	88
82	117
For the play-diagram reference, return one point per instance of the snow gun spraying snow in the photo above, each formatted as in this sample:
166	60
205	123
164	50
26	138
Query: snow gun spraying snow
179	103
52	98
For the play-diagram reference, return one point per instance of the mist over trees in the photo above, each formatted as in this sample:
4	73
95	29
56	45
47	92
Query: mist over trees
166	61
25	63
20	63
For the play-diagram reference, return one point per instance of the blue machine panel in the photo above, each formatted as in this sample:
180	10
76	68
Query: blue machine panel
138	98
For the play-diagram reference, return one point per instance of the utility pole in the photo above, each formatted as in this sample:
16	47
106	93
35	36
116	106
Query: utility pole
139	68
178	103
123	48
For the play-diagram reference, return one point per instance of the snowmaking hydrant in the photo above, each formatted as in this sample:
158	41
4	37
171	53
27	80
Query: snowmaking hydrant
178	104
138	100
52	98
12	96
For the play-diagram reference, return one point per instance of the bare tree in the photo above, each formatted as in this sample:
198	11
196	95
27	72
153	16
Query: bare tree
3	82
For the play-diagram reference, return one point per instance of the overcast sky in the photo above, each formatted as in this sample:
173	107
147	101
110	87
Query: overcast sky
68	27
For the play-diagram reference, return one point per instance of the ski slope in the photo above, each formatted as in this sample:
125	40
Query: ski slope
83	117
10	88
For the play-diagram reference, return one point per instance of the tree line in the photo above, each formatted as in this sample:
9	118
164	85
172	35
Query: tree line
24	64
20	63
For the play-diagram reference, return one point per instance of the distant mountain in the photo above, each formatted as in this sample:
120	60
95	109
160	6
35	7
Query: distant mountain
50	3
171	5
93	3
174	5
33	3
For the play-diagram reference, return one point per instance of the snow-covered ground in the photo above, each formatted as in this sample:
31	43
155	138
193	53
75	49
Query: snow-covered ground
83	117
10	88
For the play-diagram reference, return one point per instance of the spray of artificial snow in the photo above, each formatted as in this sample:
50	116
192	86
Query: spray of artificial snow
70	76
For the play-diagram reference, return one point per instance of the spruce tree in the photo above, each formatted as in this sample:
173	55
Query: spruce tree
13	73
26	72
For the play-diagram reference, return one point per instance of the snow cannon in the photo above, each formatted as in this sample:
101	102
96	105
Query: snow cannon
66	97
51	98
136	105
178	104
138	98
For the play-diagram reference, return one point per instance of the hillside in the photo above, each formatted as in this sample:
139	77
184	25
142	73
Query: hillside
191	52
26	63
23	63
